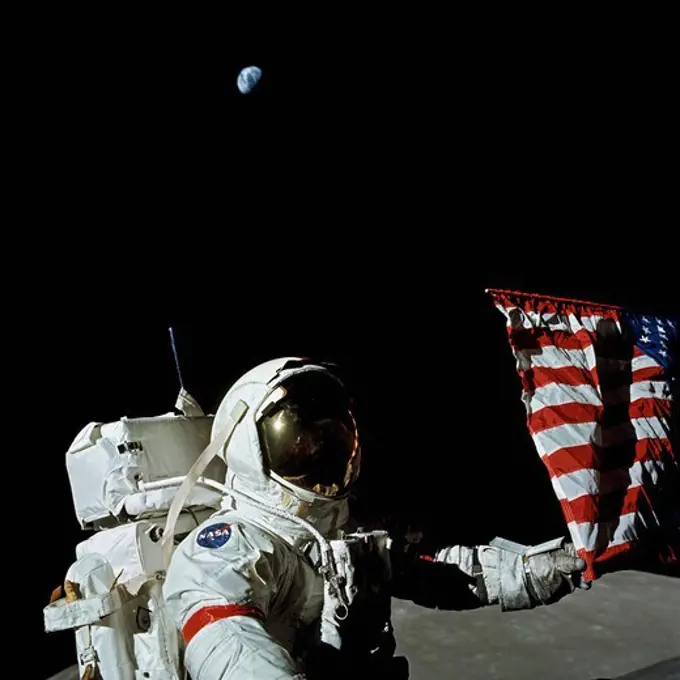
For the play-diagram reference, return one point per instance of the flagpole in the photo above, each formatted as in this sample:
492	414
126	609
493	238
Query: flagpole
552	298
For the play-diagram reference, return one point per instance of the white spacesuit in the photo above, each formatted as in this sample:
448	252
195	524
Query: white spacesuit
278	583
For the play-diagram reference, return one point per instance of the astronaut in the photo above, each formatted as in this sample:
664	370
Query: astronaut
279	583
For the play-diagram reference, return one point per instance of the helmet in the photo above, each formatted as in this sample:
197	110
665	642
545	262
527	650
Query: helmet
308	434
299	430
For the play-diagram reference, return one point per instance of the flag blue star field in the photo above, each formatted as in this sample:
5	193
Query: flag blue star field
655	336
598	384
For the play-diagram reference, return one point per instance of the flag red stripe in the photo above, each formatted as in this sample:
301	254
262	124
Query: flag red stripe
513	298
594	559
648	373
649	407
554	416
573	412
575	458
540	376
600	562
606	507
536	339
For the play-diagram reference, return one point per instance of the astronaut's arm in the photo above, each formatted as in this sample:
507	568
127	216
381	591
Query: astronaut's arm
504	573
219	598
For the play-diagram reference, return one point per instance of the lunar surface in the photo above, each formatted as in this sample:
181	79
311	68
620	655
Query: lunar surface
624	628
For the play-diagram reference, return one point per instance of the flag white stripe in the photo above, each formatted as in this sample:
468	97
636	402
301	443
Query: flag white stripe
644	361
516	317
587	322
551	356
578	434
650	389
556	357
555	438
649	428
559	394
589	536
573	485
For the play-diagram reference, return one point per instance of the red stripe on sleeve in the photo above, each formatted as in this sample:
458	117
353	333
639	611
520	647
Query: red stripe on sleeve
207	615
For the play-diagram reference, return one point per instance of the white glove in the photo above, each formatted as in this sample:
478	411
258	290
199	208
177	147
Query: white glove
526	577
554	572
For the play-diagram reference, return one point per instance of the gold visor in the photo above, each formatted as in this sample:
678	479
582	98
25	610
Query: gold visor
309	436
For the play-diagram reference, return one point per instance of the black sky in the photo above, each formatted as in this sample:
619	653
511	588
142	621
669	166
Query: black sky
354	208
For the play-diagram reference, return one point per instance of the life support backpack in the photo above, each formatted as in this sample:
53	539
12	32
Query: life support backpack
123	477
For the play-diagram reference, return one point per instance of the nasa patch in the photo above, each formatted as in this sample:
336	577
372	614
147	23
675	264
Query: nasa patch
214	536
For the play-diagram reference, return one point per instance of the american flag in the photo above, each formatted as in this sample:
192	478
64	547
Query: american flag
597	383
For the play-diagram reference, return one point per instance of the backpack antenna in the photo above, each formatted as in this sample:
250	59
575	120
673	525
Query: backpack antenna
174	352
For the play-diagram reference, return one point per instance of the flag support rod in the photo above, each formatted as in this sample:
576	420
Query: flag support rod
550	297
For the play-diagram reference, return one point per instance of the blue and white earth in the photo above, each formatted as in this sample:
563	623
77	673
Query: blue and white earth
248	78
